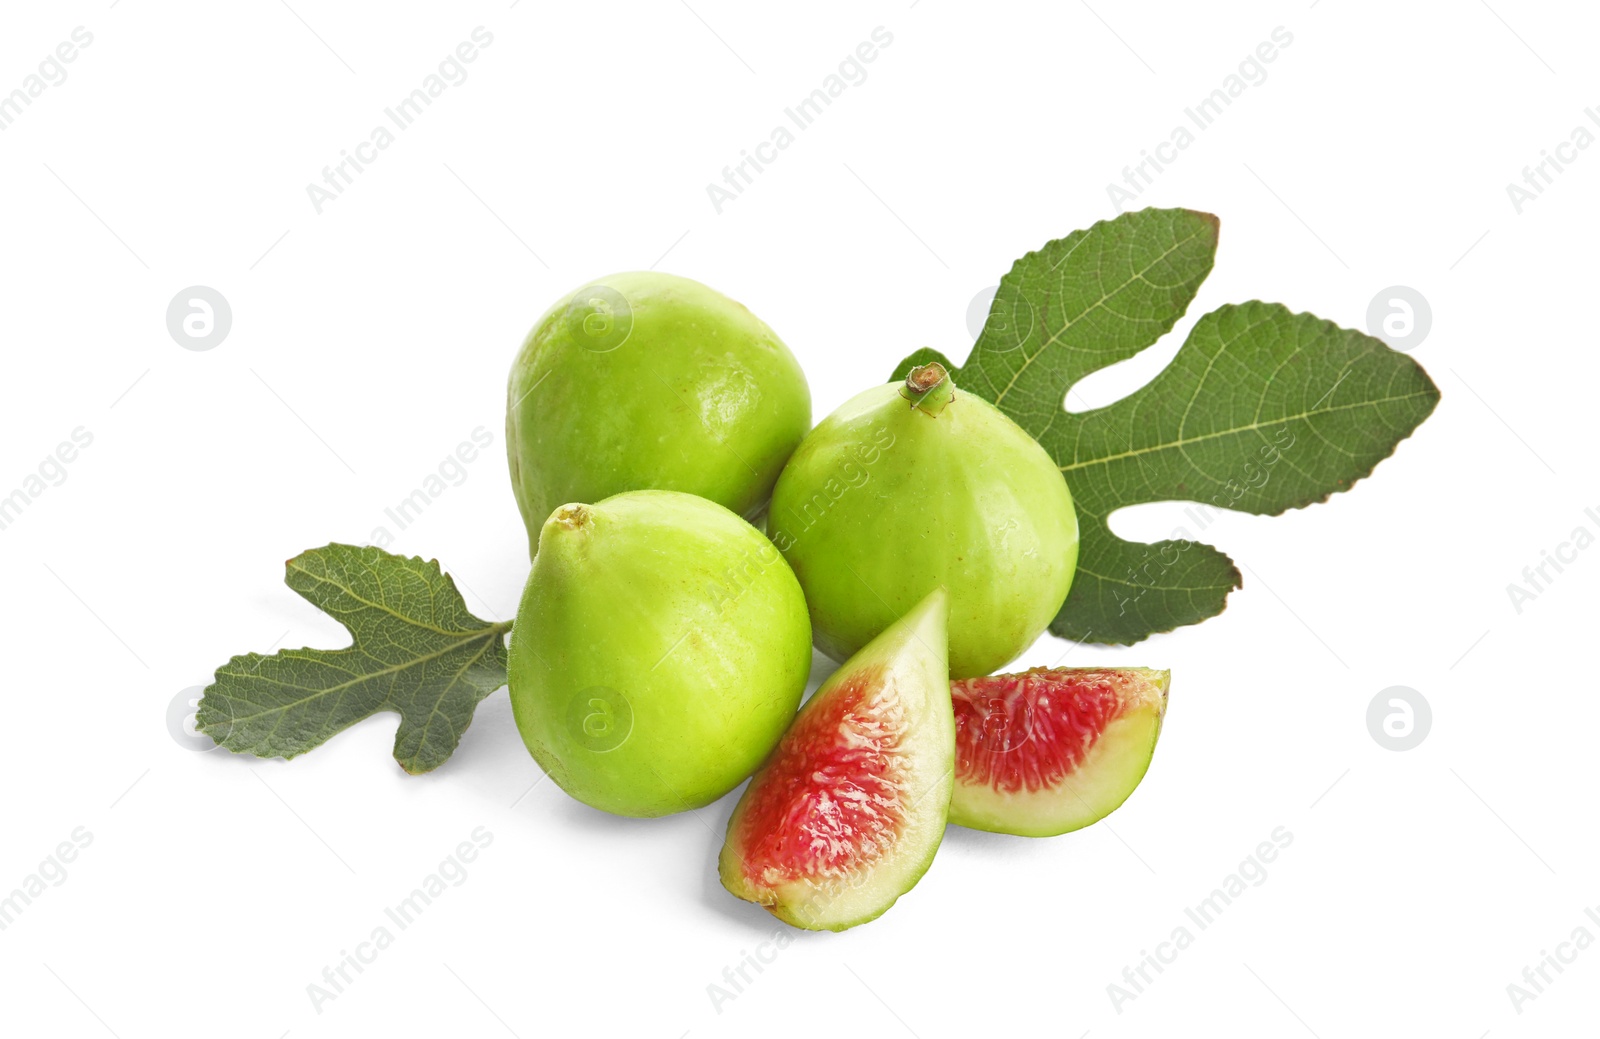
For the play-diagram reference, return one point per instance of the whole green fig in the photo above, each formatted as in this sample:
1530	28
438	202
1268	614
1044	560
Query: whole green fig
651	381
914	485
659	652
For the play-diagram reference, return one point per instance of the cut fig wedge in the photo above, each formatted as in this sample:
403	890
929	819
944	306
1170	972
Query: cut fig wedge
846	814
1047	751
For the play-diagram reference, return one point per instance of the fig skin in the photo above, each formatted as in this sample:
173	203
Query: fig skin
914	485
644	380
660	650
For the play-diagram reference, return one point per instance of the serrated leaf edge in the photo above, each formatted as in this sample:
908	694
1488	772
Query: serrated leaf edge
488	634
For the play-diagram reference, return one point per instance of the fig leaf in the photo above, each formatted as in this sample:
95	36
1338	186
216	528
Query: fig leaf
1262	410
416	650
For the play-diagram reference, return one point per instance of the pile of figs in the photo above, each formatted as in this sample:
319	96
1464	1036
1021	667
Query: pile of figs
692	539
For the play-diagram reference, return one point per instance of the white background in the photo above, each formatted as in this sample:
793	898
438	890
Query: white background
369	339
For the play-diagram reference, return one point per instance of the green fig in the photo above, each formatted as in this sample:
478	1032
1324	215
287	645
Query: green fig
651	381
660	650
908	487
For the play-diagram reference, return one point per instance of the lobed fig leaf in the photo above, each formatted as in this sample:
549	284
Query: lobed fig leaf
1262	410
416	650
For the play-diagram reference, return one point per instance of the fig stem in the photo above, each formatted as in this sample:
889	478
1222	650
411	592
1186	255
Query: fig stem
572	517
929	388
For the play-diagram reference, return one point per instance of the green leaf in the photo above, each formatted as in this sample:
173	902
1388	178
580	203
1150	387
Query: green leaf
1262	410
416	650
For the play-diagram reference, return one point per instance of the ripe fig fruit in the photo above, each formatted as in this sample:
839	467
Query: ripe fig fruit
845	816
908	487
659	652
1053	749
650	381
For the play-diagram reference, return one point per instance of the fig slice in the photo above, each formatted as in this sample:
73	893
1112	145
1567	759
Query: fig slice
1047	751
846	814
